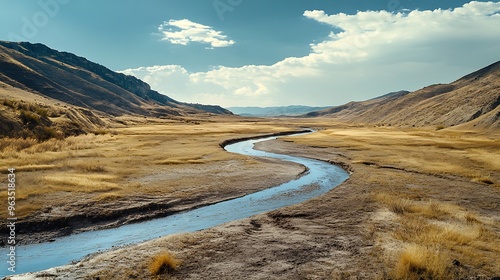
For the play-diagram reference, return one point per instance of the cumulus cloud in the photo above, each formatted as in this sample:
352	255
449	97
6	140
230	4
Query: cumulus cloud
184	31
366	54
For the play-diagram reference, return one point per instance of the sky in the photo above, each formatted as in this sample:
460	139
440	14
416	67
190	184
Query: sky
268	53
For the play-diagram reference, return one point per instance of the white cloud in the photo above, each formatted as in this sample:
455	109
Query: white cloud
374	52
184	31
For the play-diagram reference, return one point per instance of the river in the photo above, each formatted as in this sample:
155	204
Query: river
320	178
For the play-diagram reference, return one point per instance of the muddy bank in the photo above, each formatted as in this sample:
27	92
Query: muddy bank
56	221
341	235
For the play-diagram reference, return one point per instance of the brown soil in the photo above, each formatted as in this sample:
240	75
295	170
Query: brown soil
80	216
344	234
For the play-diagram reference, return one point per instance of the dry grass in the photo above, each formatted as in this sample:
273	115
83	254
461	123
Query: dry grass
428	209
444	234
423	228
164	158
421	262
435	233
422	236
16	144
91	167
486	180
470	155
163	263
471	218
108	197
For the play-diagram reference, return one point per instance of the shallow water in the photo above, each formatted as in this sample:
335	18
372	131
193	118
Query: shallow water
320	178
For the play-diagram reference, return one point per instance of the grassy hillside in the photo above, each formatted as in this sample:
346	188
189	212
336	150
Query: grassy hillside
75	80
27	115
473	100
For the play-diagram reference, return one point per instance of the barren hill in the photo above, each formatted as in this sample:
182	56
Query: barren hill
47	94
75	80
472	100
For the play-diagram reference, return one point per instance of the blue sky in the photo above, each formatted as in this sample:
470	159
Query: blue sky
267	53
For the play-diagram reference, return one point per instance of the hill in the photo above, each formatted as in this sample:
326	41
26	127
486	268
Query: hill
75	80
473	101
283	111
46	94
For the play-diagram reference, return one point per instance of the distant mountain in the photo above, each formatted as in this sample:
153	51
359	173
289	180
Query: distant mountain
294	110
77	81
473	100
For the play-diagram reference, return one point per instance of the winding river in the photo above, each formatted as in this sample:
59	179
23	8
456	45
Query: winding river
320	178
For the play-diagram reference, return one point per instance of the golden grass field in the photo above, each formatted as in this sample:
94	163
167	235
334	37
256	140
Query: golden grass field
468	154
421	198
427	233
177	158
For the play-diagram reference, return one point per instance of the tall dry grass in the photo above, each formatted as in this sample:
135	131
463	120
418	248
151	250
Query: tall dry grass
163	264
422	262
435	233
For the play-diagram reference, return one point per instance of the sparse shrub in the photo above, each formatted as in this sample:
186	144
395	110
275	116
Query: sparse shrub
54	114
9	103
471	219
439	127
22	106
45	133
420	262
91	167
16	144
163	263
401	206
29	118
100	132
42	112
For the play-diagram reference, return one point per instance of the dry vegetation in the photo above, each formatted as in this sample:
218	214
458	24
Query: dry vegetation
163	159
446	152
420	204
430	234
434	235
163	264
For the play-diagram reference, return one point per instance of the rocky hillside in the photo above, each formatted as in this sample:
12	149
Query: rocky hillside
472	100
77	81
27	114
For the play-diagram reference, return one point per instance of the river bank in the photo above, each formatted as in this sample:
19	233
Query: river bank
134	174
373	226
319	178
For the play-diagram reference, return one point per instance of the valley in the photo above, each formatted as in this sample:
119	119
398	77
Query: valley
94	149
385	218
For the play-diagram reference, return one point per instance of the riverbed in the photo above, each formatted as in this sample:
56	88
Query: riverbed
319	178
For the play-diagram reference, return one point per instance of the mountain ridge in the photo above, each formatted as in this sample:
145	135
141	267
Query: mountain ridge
276	111
45	93
63	76
472	100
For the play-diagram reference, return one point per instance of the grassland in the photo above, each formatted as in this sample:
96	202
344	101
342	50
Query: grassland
426	229
132	167
420	203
